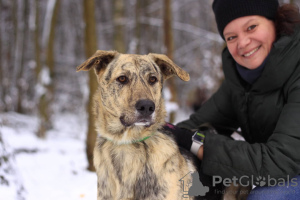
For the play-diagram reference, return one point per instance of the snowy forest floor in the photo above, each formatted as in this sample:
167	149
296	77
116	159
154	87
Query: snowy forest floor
42	169
45	169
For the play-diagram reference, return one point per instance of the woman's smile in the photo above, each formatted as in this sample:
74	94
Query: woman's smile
247	55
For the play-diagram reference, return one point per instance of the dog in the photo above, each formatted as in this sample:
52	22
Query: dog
133	157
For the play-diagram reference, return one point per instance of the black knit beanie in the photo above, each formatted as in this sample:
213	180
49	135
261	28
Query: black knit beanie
228	10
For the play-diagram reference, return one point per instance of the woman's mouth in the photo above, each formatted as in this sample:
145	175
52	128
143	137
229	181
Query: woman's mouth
251	52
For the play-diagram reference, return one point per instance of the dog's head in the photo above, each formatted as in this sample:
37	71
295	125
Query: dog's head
129	96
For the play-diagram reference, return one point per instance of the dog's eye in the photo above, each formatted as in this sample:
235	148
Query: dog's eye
152	80
122	79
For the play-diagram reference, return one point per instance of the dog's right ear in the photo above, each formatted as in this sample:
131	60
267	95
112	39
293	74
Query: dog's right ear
99	61
168	67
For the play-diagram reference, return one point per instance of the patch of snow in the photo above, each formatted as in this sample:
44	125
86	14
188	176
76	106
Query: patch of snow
45	76
51	168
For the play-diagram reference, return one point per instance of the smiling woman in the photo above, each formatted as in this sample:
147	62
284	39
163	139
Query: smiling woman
260	95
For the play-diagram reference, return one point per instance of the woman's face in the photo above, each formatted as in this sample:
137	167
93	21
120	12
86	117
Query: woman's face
249	39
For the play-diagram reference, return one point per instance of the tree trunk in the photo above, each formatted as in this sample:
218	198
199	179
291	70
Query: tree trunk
47	97
38	66
90	48
50	60
118	15
169	45
10	105
2	93
22	33
137	26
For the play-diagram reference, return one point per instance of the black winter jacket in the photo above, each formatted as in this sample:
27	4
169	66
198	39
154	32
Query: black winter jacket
268	114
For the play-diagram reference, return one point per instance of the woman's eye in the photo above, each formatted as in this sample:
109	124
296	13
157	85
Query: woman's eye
230	38
251	27
152	80
122	79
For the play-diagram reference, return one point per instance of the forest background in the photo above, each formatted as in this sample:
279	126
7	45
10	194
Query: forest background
42	42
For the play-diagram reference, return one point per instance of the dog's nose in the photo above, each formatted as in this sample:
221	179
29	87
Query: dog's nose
145	107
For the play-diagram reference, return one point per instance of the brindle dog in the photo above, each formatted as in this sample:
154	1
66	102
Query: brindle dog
133	158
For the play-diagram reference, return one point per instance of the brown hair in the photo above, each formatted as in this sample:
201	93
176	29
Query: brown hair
286	20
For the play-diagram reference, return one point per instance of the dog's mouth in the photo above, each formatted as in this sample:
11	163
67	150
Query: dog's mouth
143	122
140	121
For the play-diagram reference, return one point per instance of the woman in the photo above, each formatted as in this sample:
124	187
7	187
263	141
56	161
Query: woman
260	95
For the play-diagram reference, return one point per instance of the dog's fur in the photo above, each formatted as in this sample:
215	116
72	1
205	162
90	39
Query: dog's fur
132	157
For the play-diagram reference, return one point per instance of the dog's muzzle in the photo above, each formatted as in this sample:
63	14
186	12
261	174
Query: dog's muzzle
144	114
145	107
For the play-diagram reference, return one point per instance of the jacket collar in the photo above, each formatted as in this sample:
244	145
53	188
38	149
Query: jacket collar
250	75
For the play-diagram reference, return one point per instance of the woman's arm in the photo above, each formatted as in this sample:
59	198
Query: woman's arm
278	158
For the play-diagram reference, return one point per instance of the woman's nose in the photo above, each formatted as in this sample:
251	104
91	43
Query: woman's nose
243	42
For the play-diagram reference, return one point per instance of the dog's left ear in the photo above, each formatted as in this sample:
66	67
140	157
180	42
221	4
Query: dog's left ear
99	61
168	67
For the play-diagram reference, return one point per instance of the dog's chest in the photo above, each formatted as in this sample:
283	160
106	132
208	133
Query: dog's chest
139	168
139	160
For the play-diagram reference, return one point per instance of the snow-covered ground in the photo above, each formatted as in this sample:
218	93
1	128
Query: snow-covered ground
44	169
53	168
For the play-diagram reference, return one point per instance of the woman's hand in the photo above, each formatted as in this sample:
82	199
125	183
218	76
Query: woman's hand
182	136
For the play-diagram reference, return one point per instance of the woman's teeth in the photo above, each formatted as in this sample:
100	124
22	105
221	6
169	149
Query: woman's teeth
251	52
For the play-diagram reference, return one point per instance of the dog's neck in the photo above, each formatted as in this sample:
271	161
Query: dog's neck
121	142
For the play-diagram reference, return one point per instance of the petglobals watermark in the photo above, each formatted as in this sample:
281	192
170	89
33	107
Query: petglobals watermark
258	181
